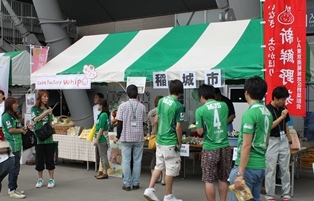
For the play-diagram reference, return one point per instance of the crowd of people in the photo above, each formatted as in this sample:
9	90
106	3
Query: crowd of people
262	144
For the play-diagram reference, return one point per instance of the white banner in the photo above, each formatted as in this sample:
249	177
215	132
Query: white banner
63	82
5	73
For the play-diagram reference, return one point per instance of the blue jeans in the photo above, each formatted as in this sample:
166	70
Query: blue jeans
132	151
253	179
5	168
13	174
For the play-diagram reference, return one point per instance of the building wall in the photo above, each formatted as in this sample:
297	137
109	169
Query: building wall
128	25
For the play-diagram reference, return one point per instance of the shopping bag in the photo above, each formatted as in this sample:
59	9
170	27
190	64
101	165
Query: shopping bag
91	134
152	142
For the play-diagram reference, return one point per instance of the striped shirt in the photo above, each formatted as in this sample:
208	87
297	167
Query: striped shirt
132	113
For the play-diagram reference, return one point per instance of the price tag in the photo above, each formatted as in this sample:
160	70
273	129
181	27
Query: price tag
235	153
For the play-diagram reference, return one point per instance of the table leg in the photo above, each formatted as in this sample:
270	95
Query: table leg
183	171
292	174
87	165
194	163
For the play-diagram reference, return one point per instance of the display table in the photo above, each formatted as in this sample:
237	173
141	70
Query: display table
74	148
296	155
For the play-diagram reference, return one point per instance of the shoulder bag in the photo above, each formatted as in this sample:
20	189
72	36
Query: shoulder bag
29	139
44	132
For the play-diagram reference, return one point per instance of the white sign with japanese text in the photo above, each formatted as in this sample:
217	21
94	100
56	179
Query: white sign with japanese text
140	82
188	78
63	82
213	77
160	80
235	153
185	150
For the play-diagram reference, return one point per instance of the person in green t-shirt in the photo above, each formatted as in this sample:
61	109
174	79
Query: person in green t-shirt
101	134
253	139
211	120
170	115
42	114
13	130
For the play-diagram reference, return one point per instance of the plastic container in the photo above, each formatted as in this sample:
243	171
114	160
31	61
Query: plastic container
233	141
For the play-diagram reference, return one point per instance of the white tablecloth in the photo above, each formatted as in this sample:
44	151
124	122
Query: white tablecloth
74	148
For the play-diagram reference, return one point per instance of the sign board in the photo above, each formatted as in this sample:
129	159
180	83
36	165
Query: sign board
188	78
213	77
310	21
185	150
285	51
63	82
235	153
140	82
160	80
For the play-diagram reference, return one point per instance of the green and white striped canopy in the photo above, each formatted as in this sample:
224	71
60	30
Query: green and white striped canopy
234	47
19	67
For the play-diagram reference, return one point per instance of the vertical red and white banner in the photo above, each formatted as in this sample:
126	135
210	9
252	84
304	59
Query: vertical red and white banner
39	57
285	50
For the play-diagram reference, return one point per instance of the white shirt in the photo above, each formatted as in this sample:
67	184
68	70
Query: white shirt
1	112
96	113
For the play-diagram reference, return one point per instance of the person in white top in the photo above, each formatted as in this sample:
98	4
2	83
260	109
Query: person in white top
1	112
97	98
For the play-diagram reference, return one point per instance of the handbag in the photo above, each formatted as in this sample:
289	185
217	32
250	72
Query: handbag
44	132
29	139
152	142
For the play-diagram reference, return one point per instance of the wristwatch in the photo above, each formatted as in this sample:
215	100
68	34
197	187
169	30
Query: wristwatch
239	174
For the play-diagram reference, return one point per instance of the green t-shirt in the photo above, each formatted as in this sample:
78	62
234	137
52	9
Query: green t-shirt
102	122
170	112
256	121
213	118
15	140
47	119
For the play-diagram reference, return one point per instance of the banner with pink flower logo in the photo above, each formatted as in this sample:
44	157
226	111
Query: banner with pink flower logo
39	57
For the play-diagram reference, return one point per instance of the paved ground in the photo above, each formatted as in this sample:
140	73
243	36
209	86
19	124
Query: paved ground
75	183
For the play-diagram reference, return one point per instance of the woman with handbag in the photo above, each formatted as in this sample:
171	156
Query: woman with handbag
41	115
101	140
13	130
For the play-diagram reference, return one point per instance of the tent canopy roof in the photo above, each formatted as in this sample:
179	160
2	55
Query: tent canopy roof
234	47
19	67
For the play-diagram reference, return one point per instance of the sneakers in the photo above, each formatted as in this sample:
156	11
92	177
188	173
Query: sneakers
171	198
163	183
16	195
286	198
39	183
271	199
51	183
150	194
16	190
